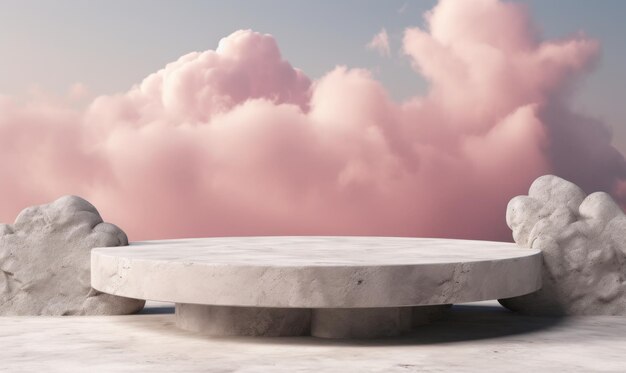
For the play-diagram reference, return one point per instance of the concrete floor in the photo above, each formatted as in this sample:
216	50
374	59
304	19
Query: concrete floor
474	337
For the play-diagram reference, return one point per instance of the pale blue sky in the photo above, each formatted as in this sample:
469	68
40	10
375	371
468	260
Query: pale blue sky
109	45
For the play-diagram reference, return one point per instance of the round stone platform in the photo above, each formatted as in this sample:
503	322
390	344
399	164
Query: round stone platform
333	287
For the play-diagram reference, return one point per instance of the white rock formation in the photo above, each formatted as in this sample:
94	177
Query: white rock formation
583	240
45	261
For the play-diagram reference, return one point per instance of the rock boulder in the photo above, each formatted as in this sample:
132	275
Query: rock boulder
583	240
45	261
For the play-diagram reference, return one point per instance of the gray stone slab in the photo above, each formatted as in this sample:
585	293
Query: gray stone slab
360	322
471	338
249	321
317	272
372	322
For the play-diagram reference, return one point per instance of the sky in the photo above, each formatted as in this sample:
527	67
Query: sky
96	52
110	45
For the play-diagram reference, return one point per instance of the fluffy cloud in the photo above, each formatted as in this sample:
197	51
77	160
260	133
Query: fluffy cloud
380	43
237	141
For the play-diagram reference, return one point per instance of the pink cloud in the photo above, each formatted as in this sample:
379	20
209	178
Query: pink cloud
236	141
380	43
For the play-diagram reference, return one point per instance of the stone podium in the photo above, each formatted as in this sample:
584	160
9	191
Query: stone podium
332	287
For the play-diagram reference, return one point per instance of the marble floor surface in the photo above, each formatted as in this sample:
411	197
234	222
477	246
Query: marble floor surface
473	337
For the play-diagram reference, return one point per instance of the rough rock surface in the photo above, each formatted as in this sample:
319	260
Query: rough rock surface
317	271
583	240
45	261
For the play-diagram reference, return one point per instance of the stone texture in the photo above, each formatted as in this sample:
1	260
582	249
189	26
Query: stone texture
348	287
361	322
243	321
44	261
372	322
481	337
422	315
583	240
317	272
